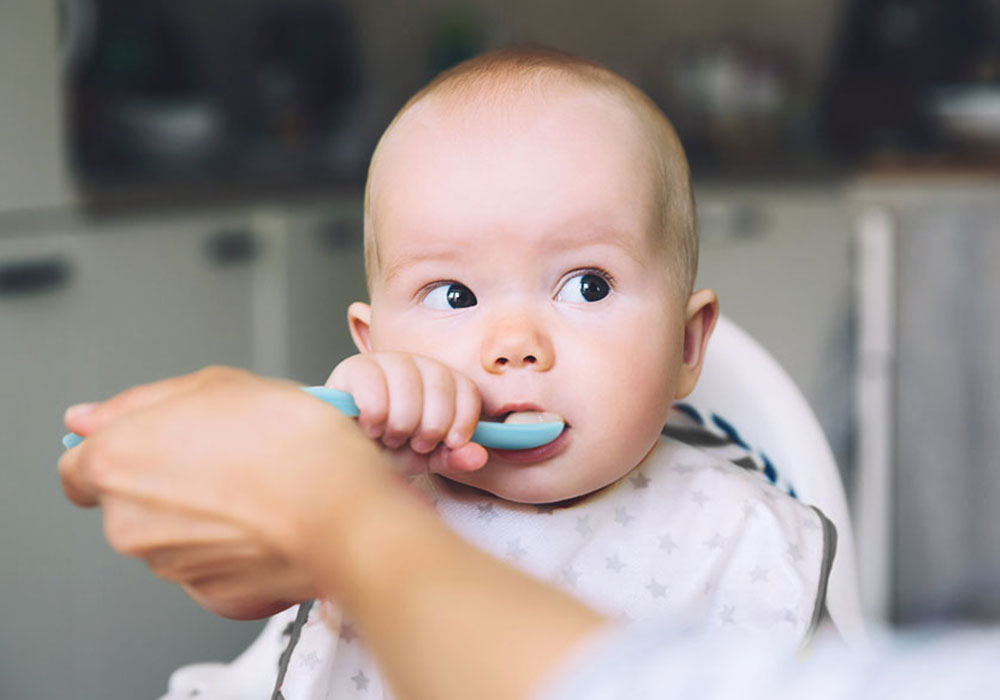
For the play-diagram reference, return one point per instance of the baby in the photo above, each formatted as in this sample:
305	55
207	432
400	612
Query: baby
531	252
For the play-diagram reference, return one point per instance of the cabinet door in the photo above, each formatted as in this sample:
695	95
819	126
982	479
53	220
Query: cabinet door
945	382
142	300
46	357
174	295
325	274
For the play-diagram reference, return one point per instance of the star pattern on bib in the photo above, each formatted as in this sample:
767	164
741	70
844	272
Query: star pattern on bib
667	543
716	542
514	550
656	589
794	553
622	516
639	481
361	681
486	512
310	660
699	498
569	576
615	563
726	615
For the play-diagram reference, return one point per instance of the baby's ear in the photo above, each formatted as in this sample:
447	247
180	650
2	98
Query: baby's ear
359	319
700	316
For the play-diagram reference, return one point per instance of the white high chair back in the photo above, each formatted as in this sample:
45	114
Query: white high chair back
743	384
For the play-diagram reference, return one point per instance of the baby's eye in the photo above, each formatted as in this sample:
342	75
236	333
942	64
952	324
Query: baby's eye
587	286
449	296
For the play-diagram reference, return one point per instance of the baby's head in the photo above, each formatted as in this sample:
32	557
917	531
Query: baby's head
529	222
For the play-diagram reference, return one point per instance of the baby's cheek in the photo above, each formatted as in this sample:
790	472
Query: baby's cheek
616	448
457	353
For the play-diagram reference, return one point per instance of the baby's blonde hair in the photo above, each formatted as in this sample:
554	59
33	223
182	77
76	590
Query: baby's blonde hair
491	76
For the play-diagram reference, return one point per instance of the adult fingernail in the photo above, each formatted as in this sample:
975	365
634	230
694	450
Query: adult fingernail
79	410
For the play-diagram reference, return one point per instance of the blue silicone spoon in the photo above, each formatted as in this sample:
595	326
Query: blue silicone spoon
503	436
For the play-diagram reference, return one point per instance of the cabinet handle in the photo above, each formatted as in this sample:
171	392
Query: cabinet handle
33	276
232	247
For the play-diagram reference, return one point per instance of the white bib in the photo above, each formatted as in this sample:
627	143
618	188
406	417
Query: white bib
685	535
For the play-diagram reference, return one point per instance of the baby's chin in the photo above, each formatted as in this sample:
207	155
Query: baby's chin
539	484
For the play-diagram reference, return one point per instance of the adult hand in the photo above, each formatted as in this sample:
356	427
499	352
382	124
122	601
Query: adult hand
225	483
253	495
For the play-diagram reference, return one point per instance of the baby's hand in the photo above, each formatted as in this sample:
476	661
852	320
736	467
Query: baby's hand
421	409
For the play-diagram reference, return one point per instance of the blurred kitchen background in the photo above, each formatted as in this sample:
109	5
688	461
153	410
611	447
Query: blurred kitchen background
181	181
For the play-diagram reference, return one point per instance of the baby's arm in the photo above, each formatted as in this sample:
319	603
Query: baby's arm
420	409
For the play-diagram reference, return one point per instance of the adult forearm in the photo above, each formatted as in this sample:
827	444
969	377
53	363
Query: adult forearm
443	619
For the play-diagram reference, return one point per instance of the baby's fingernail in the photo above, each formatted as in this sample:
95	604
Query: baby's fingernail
421	446
79	410
455	439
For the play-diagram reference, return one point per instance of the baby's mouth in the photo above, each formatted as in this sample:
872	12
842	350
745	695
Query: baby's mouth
531	418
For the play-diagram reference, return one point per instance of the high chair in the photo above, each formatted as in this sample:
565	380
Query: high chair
745	393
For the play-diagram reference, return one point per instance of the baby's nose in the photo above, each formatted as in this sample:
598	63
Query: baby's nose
517	343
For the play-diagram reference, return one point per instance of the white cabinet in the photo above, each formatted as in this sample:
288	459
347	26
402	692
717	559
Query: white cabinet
87	309
929	458
46	352
90	306
173	296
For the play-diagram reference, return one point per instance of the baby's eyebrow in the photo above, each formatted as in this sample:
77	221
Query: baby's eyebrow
589	235
564	238
408	258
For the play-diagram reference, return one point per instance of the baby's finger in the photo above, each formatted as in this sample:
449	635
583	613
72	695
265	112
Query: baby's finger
406	398
467	458
443	460
468	408
438	407
364	379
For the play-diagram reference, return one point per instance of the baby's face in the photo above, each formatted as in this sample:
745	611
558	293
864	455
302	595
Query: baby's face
520	249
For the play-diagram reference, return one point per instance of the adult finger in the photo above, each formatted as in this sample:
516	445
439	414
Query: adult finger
78	488
93	417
